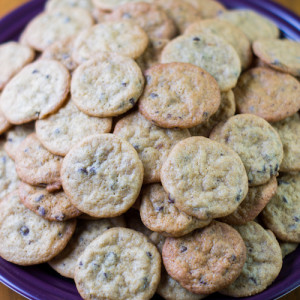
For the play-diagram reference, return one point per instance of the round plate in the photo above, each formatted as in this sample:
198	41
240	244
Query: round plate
41	282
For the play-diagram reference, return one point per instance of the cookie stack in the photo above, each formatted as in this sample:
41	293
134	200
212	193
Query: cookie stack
150	152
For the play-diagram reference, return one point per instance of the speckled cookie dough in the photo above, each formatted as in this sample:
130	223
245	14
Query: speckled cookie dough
289	132
153	20
27	239
55	4
4	124
282	214
69	126
50	206
120	264
35	165
205	179
263	262
267	93
56	25
179	95
122	37
233	35
152	143
256	142
287	248
207	8
254	25
107	85
209	52
282	55
13	57
225	111
102	175
112	4
206	260
35	92
257	198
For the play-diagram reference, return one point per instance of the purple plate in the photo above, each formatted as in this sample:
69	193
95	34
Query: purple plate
41	282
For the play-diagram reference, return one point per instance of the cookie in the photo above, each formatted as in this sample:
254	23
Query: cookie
257	198
9	180
282	55
86	231
230	33
107	85
133	221
289	131
262	265
50	206
256	142
13	57
121	37
4	124
179	95
207	8
152	143
267	93
224	112
287	248
102	175
56	25
282	214
55	4
206	260
119	264
254	25
27	239
205	179
35	92
112	4
182	13
209	52
35	165
153	20
62	52
15	136
60	132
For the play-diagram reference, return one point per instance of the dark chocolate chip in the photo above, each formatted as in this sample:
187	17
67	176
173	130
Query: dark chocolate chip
296	219
153	95
183	249
136	147
171	200
105	275
233	257
284	199
124	84
196	39
10	140
80	263
161	208
60	217
205	114
48	76
57	131
132	101
253	280
35	71
24	230
145	283
149	254
37	113
59	234
239	196
83	170
41	211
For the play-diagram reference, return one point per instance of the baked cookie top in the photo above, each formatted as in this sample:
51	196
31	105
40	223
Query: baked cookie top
55	4
204	178
102	175
207	8
112	4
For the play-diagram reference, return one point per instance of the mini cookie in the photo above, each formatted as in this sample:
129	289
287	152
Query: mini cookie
27	239
179	95
267	93
159	213
153	20
35	92
55	4
289	132
122	37
4	124
112	4
263	262
69	126
282	55
205	179
231	34
56	25
9	180
102	175
152	143
107	85
225	111
182	13
15	136
252	24
50	206
35	165
133	220
287	248
207	8
255	201
13	57
204	50
256	142
86	231
282	214
62	52
120	264
206	260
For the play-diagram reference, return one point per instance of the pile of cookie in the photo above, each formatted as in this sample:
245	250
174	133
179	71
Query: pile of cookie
144	148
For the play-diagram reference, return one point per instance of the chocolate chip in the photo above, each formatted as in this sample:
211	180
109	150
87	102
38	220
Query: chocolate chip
145	283
83	170
57	131
202	281
35	71
132	101
37	113
124	84
41	211
136	147
39	198
48	76
205	114
284	199
253	280
276	167
24	230
239	196
183	249
171	200
196	39
59	234
92	171
153	95
296	219
80	263
161	208
233	257
105	275
149	254
60	217
10	140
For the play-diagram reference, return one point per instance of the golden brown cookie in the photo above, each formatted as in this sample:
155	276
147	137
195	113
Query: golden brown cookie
207	8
